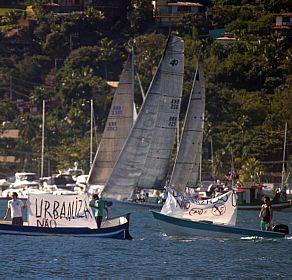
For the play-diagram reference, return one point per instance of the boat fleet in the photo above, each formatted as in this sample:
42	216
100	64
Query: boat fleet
134	155
24	183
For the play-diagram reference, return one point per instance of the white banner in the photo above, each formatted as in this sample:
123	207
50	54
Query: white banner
220	210
46	210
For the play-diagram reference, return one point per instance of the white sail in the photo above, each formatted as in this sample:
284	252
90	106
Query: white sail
186	168
117	128
154	127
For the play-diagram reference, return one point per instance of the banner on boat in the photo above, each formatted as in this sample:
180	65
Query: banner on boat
220	210
46	210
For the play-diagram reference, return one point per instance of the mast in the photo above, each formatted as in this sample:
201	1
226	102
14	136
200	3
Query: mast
284	155
212	159
140	85
91	133
232	168
43	140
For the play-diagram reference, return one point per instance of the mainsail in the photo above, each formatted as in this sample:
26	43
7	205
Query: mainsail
186	168
154	129
117	128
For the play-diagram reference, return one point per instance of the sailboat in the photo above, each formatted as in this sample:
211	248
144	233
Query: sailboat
186	167
185	216
119	123
143	161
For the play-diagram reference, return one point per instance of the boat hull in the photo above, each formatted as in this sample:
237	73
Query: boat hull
180	227
120	231
141	204
275	206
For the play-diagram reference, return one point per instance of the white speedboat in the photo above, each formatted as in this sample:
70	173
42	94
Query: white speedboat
60	184
24	182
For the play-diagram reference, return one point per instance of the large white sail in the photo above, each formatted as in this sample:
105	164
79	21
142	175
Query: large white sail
154	126
186	167
117	128
157	163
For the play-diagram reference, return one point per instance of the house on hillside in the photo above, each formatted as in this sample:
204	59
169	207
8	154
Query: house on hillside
17	40
284	24
169	13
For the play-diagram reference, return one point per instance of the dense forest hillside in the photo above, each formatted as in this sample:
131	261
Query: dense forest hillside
67	59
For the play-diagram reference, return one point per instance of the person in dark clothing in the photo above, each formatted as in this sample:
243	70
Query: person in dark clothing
266	215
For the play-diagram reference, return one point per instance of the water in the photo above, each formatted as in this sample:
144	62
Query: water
150	255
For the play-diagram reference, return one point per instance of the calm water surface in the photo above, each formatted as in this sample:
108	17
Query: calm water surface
150	255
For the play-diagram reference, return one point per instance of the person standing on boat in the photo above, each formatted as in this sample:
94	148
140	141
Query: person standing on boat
100	209
15	205
266	214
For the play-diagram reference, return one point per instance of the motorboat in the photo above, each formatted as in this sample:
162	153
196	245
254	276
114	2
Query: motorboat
24	182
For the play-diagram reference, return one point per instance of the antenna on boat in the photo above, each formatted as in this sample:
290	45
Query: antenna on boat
91	133
284	155
43	140
212	159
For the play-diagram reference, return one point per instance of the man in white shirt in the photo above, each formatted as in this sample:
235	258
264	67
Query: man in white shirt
15	205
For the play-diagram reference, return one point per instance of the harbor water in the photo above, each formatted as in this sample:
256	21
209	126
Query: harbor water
150	255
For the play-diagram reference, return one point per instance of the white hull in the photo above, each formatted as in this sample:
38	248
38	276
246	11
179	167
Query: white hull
175	230
177	227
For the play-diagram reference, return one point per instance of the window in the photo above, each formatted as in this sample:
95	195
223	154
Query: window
286	21
117	110
112	126
174	104
172	121
184	9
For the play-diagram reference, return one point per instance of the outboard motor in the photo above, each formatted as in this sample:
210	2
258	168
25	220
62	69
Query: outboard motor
281	228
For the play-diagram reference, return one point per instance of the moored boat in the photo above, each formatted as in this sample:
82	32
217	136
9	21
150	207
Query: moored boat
276	206
251	198
24	182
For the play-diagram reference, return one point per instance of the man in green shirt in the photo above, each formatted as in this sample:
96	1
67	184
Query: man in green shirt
100	209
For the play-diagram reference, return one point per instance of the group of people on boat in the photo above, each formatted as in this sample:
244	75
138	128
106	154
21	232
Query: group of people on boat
15	206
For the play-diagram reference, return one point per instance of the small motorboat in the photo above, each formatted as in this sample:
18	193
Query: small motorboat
117	228
182	216
181	227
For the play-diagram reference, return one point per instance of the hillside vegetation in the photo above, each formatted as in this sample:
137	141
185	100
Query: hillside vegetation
248	83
